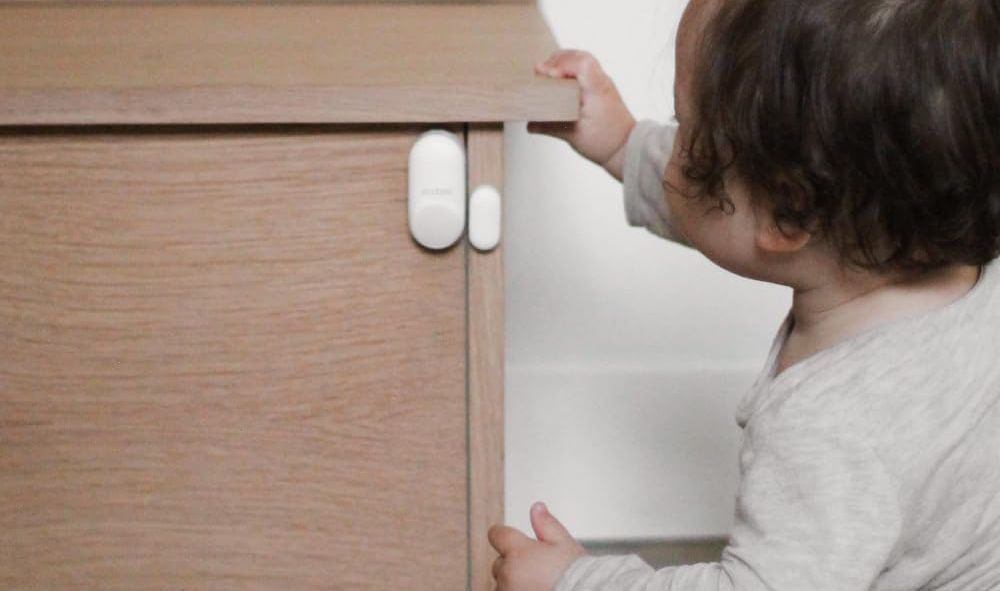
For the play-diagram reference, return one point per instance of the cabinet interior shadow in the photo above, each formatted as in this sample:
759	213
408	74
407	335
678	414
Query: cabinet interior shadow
660	553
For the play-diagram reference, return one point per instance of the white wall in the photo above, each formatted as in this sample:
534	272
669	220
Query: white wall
626	355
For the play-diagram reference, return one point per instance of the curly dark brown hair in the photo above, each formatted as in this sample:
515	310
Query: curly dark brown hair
875	123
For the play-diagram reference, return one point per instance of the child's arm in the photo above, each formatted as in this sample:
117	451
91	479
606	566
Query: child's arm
647	153
606	134
816	510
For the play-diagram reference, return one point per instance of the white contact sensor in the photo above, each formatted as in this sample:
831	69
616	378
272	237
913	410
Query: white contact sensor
437	189
484	217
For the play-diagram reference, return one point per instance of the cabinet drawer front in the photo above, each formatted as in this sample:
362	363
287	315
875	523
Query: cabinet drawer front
224	364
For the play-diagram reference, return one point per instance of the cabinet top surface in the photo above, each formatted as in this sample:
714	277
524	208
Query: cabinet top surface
341	63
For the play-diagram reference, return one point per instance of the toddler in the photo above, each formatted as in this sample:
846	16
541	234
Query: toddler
848	149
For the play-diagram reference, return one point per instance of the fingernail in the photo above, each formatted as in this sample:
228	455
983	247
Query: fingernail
542	508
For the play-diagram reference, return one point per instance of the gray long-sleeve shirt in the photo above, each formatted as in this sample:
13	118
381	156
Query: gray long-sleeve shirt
874	464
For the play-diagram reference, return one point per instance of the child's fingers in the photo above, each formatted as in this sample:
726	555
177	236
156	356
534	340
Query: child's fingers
564	55
556	55
572	63
504	538
498	568
565	62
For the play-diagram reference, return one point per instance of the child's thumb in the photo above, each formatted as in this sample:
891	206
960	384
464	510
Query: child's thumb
547	527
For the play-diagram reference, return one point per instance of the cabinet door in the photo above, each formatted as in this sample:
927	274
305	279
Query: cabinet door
224	364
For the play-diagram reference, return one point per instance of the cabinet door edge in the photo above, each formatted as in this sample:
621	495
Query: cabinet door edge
485	292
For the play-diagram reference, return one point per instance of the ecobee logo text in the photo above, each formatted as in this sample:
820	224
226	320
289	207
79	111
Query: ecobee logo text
437	191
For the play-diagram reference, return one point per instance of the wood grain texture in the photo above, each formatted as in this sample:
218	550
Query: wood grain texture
486	368
224	364
309	63
245	2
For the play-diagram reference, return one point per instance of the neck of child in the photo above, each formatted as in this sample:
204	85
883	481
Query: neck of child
839	303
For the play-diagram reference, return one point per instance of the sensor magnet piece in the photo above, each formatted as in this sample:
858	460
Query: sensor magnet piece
484	218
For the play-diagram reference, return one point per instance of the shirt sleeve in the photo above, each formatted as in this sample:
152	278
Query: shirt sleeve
814	511
647	152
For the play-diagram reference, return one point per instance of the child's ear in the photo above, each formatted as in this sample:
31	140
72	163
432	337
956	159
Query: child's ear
781	237
775	237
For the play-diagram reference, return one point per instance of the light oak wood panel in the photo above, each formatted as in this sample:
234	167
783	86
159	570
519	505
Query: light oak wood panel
486	367
277	64
151	2
224	364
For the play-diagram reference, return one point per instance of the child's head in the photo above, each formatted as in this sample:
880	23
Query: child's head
870	126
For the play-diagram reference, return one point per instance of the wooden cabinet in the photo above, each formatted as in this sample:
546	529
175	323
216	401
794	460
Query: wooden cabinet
224	362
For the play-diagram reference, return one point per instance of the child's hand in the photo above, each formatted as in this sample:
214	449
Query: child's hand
605	122
527	565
